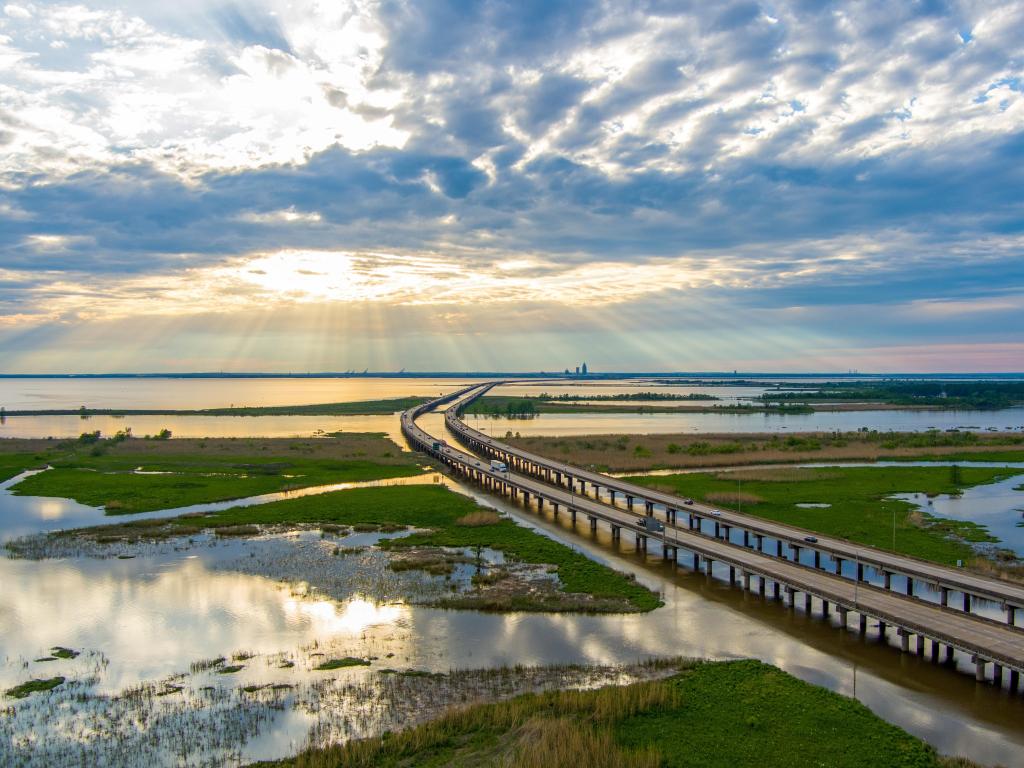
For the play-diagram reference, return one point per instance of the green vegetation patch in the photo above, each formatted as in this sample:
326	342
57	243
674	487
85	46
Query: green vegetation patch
860	508
347	661
440	511
171	479
12	464
34	686
714	715
64	653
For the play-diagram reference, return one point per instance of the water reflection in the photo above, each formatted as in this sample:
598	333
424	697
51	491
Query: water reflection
999	507
196	393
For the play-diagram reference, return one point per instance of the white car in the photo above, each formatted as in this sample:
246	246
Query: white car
716	512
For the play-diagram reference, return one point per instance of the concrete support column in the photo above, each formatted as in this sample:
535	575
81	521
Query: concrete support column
708	562
860	571
839	566
843	613
572	514
526	499
920	646
778	548
717	528
997	675
725	532
554	508
1014	680
935	651
817	559
629	502
745	579
643	543
791	597
862	624
967	603
1011	614
824	608
949	654
775	590
904	640
761	585
540	504
807	603
910	586
732	575
612	497
593	523
979	669
760	542
796	553
696	561
746	538
888	579
881	630
649	508
616	533
943	597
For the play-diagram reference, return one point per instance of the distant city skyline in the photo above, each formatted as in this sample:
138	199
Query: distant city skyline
440	185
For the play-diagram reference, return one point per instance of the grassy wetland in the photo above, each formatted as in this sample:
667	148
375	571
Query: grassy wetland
127	475
707	714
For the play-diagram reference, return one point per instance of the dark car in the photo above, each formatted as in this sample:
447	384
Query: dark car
811	539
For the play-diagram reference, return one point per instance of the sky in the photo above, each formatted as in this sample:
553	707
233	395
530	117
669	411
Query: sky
511	185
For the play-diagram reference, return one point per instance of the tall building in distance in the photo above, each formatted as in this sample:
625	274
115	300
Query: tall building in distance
583	370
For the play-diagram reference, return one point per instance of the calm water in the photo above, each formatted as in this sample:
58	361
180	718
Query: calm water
548	424
189	394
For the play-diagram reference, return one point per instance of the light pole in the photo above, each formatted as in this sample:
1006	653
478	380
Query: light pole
856	575
894	529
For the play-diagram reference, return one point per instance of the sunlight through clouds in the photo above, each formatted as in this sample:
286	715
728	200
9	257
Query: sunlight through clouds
380	164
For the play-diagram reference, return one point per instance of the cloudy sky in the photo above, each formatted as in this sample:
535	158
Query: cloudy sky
511	184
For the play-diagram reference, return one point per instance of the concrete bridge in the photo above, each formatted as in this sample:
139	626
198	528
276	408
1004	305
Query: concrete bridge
814	570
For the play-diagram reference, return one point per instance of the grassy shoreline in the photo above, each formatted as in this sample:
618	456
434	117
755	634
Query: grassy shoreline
708	714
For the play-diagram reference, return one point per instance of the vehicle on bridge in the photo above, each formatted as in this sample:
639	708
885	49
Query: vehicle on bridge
498	466
652	525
